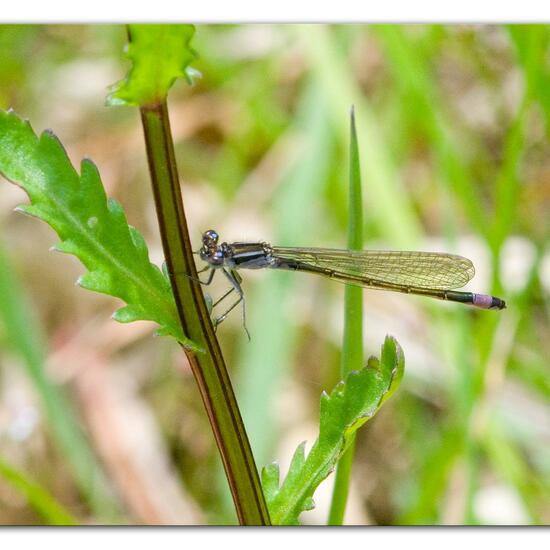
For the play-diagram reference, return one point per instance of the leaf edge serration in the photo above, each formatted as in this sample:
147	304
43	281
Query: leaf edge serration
90	226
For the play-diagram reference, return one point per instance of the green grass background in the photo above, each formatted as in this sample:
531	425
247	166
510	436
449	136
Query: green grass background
453	124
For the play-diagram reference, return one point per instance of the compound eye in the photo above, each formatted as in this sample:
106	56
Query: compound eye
210	237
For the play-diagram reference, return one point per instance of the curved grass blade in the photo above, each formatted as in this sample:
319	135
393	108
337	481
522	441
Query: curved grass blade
38	498
25	339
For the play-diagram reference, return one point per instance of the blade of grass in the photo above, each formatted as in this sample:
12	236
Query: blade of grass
474	470
25	339
531	44
40	500
391	211
506	458
432	479
412	76
507	188
352	348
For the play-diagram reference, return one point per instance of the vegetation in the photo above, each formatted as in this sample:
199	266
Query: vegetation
101	423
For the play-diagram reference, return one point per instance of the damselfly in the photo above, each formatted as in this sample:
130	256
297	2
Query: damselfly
431	274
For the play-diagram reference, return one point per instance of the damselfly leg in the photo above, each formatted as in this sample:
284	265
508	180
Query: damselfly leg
235	279
198	279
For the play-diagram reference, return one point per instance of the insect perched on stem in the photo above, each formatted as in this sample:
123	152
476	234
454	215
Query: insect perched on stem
431	274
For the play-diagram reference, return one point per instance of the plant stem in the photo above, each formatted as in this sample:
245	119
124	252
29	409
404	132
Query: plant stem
208	368
352	349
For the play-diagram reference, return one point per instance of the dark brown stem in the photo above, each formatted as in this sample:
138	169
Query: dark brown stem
209	367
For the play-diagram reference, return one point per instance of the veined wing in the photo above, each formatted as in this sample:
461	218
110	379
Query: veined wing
429	270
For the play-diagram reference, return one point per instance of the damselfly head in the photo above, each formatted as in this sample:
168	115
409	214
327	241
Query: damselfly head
210	238
210	251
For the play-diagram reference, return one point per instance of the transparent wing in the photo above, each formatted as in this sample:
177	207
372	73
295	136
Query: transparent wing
430	270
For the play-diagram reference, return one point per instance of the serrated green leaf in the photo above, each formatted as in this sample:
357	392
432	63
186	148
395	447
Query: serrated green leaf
94	280
90	227
350	404
30	210
270	480
126	314
392	366
67	247
162	331
159	54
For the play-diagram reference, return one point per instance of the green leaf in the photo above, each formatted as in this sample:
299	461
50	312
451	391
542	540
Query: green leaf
90	227
270	480
37	497
350	404
159	54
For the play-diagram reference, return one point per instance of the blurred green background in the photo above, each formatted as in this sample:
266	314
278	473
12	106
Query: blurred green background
102	423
